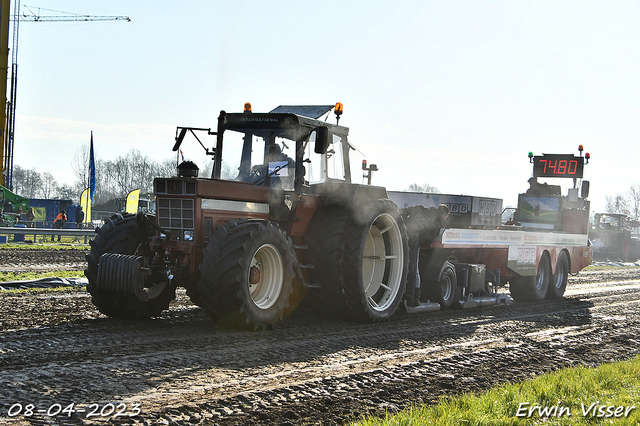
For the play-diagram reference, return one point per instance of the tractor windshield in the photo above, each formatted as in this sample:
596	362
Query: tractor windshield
609	222
268	157
260	157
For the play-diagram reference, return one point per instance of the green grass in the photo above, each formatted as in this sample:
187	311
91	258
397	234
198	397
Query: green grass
10	276
599	268
42	290
47	245
616	384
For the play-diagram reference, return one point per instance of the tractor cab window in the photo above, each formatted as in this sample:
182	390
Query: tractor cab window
260	157
320	167
335	159
609	222
315	171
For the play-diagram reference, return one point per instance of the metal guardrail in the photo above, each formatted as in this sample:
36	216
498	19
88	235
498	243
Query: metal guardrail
48	231
19	233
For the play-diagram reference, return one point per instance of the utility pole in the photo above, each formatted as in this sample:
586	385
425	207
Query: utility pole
5	7
5	17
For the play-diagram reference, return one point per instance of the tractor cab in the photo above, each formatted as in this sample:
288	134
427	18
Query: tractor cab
280	149
287	148
268	158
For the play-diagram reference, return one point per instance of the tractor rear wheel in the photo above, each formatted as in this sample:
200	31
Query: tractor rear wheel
122	235
532	288
559	280
375	262
246	276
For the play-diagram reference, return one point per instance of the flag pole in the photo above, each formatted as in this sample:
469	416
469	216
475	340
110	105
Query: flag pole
89	174
92	177
92	171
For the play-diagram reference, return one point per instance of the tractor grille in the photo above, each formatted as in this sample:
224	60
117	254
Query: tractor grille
176	214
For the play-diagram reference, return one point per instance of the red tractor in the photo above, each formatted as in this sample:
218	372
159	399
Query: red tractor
278	219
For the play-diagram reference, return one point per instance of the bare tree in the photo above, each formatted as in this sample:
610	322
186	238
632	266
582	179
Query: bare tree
425	187
166	168
634	201
19	176
27	183
617	204
80	164
49	186
66	192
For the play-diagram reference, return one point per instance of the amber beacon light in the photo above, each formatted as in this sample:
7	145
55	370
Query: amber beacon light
338	109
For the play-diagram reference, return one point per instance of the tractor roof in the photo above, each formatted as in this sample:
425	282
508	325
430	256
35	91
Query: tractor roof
286	121
311	111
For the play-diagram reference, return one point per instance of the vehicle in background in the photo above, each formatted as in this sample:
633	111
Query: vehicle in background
615	236
13	206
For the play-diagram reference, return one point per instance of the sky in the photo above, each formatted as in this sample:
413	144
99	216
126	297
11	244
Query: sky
449	93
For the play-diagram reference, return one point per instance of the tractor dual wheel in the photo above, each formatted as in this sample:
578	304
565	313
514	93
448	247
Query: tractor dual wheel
375	262
246	276
122	235
532	288
325	237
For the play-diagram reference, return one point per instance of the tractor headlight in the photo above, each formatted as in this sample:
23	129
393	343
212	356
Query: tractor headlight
188	235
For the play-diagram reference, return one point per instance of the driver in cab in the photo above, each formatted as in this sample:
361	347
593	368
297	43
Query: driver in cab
279	168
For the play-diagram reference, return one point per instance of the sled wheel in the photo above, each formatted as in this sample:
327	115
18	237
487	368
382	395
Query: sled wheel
445	291
558	283
532	288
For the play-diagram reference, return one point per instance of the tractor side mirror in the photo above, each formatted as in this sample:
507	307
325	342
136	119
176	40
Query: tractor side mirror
322	140
179	138
584	192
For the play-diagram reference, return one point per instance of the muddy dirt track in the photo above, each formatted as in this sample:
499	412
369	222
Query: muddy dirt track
57	350
39	260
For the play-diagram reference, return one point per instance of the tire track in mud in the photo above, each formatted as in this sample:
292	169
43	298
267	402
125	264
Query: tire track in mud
41	260
183	371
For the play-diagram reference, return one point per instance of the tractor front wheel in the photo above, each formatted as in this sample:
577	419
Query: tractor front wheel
246	277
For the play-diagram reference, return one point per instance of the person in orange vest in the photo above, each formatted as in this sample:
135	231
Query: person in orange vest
59	222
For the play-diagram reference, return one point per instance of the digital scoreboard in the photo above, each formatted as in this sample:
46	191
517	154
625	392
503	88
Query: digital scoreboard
558	165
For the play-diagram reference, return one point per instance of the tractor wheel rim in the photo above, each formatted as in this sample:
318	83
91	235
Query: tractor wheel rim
382	262
542	274
559	275
156	289
268	261
447	287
